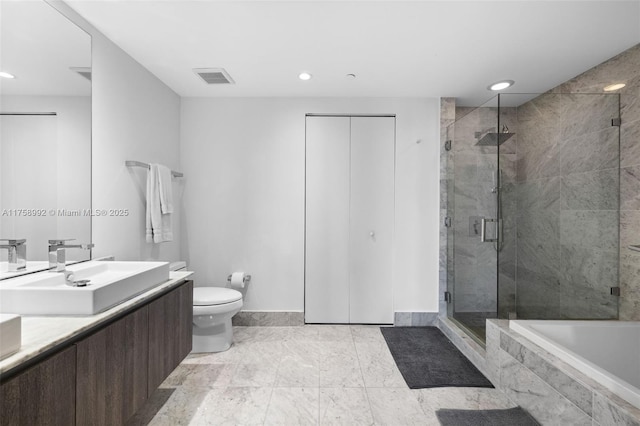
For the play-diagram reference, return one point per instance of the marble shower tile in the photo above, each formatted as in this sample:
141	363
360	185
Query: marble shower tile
538	195
234	406
538	398
630	98
592	268
298	406
629	146
591	151
587	113
597	190
629	279
629	228
344	406
594	229
629	188
537	295
395	407
538	247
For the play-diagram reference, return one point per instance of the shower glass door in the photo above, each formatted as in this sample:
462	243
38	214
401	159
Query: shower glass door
533	204
474	234
563	208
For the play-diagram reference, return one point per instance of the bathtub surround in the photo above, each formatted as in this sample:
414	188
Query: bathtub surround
552	391
135	116
244	204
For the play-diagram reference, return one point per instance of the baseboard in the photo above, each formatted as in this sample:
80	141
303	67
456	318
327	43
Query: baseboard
415	319
268	319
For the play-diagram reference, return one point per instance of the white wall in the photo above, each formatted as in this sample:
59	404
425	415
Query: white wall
244	194
135	117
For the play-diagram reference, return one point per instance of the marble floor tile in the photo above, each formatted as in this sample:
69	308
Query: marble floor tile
344	406
234	406
395	407
293	406
254	374
170	407
298	370
336	374
378	367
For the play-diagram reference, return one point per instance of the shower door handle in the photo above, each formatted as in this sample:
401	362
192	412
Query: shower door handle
483	231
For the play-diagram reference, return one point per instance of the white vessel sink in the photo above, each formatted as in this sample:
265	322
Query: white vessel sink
10	334
47	293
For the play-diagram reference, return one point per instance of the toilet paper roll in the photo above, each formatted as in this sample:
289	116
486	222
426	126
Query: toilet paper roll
238	279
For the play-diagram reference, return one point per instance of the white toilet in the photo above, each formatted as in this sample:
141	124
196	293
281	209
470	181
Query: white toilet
213	308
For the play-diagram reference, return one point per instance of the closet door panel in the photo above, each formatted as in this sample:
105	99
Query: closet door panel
371	219
327	220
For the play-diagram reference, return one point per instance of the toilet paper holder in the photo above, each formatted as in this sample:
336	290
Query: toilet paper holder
245	279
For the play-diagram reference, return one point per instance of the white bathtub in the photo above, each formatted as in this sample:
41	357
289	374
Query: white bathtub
607	351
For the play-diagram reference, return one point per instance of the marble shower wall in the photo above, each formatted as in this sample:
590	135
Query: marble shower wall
623	68
567	197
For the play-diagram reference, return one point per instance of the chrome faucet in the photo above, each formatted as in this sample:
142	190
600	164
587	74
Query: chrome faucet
57	256
17	258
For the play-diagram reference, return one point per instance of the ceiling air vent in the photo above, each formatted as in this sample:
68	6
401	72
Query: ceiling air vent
214	75
83	71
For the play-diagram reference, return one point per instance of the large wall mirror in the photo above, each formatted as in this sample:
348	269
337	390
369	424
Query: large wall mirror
45	132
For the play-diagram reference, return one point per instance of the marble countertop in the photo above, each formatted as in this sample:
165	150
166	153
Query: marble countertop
41	333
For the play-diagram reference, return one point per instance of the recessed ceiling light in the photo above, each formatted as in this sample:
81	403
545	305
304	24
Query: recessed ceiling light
6	75
612	87
501	85
304	76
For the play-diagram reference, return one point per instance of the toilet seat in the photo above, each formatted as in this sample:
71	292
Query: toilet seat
211	296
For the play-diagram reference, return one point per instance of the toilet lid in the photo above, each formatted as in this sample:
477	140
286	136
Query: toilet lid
206	296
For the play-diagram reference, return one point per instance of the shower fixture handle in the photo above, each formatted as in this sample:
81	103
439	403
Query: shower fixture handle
483	231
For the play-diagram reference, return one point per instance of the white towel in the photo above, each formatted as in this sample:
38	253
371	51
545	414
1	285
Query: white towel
159	227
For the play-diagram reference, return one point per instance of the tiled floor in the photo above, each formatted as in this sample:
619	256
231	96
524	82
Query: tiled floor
302	375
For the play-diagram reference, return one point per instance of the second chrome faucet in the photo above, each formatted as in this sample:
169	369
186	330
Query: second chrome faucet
57	255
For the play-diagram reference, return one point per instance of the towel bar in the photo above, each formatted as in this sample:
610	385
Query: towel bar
130	163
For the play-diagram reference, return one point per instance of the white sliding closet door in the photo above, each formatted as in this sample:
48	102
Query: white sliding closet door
371	227
327	220
349	219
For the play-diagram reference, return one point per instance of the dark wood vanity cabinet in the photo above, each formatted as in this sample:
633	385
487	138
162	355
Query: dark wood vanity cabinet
111	381
170	333
44	394
106	376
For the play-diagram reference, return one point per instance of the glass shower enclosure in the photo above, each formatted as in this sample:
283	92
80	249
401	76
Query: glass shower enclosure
533	188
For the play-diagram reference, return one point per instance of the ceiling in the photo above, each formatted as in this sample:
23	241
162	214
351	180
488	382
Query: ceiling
40	47
395	48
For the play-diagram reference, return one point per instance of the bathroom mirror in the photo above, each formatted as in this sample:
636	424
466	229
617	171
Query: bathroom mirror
45	132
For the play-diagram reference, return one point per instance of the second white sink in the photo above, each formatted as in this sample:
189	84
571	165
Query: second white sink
47	293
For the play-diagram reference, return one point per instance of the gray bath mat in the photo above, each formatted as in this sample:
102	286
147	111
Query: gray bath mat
427	359
510	417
